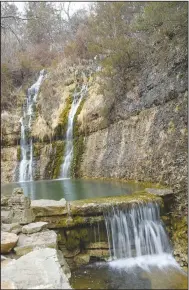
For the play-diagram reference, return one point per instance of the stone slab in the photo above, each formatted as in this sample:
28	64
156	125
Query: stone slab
27	243
44	207
96	206
34	227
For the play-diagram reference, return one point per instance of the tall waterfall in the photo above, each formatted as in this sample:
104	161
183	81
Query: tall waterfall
136	231
77	98
26	144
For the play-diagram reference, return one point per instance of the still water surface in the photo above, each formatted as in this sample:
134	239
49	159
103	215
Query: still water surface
71	189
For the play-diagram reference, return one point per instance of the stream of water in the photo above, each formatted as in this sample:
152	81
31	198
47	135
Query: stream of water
26	144
140	254
77	98
136	231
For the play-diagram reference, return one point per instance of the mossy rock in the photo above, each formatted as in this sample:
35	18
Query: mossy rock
55	222
52	169
75	238
19	153
60	129
37	150
96	206
78	145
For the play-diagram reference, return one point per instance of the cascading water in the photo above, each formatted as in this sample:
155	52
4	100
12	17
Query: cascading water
26	144
140	253
77	98
136	231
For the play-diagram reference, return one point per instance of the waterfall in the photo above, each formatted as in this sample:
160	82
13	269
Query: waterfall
136	231
26	144
77	98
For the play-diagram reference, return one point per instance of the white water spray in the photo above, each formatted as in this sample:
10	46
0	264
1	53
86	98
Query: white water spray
77	98
136	231
26	144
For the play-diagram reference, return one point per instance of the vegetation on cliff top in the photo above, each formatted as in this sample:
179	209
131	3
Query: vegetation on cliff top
123	33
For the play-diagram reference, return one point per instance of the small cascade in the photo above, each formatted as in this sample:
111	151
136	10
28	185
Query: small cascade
136	231
26	144
77	98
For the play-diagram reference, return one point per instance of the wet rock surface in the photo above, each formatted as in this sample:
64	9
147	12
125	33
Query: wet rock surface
98	205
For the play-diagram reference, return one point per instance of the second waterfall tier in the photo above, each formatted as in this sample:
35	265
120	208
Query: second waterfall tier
136	231
77	98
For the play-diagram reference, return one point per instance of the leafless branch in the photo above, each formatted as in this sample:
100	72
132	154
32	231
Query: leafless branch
17	18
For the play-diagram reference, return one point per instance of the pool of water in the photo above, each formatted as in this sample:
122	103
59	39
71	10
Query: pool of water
145	272
71	189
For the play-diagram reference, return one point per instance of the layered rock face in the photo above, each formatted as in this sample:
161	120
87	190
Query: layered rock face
143	136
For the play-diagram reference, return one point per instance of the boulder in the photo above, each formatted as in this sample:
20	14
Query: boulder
64	264
8	241
4	263
45	207
21	216
34	227
81	259
12	228
27	243
18	199
70	254
8	285
39	269
20	208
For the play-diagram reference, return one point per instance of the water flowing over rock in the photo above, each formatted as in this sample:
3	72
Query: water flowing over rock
136	231
77	98
26	144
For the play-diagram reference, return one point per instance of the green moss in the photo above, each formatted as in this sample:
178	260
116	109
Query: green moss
60	129
19	153
78	145
95	206
179	229
171	127
177	108
76	238
37	150
52	169
142	184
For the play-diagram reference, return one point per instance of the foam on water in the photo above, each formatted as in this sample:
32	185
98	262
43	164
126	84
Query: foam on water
145	262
